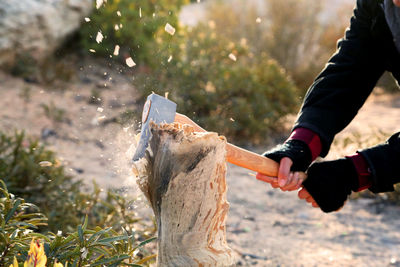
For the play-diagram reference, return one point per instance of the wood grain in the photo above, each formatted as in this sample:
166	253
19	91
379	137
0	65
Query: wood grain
183	177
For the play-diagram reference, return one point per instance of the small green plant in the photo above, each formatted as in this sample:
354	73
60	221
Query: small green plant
16	225
95	97
98	246
25	66
26	94
52	112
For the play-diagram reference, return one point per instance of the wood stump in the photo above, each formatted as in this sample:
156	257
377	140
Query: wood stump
183	177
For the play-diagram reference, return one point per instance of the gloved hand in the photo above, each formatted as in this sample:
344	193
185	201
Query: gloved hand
296	150
331	182
292	156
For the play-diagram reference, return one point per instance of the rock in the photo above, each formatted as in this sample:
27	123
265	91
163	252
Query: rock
303	216
46	133
35	28
79	98
79	170
99	144
115	103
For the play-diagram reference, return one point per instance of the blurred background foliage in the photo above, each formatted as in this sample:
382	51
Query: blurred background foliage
239	71
222	85
131	25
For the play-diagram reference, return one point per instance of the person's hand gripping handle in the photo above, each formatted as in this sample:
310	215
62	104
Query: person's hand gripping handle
242	157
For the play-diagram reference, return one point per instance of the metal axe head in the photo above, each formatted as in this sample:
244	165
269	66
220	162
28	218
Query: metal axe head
159	110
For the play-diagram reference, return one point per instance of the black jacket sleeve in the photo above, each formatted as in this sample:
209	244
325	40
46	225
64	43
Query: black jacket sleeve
342	87
384	163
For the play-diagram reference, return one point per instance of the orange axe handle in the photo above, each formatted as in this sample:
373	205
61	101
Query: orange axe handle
241	157
250	160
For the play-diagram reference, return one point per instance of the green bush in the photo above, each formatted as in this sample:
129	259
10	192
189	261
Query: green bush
222	84
16	225
97	246
47	71
133	29
33	173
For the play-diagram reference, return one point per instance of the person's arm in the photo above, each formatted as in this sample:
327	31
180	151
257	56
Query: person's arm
329	183
339	91
384	164
342	87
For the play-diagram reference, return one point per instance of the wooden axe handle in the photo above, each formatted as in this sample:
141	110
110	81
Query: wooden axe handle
185	120
250	160
239	156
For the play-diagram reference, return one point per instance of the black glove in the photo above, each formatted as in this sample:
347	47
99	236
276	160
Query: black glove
298	151
384	163
331	182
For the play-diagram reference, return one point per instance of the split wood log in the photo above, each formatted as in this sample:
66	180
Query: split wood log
183	177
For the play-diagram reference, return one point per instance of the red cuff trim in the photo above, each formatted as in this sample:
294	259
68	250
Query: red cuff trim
310	138
364	174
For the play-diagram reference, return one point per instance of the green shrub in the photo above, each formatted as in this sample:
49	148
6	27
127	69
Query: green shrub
222	84
47	71
25	67
97	246
53	113
16	225
133	29
33	173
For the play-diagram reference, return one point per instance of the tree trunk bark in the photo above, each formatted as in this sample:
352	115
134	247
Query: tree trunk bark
183	177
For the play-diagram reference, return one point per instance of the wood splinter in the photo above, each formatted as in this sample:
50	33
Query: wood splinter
183	177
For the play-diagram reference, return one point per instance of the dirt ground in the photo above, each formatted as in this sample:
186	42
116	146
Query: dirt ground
265	227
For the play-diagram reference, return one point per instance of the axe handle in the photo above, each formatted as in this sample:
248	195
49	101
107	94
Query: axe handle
241	157
250	160
185	120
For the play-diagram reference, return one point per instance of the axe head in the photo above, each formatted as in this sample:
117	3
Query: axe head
159	110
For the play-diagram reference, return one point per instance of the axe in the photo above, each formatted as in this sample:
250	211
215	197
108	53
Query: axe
161	110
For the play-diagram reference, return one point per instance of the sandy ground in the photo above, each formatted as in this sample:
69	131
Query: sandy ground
265	227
